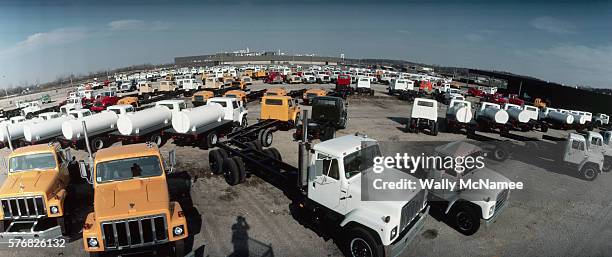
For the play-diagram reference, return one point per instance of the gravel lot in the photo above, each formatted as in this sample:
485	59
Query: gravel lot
555	215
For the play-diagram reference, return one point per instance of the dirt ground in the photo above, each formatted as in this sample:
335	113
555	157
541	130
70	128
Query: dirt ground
557	214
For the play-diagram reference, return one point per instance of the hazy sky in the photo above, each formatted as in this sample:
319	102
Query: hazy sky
564	41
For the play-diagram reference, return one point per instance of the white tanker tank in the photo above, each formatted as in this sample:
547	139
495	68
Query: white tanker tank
192	119
15	130
460	111
493	112
96	124
145	120
44	130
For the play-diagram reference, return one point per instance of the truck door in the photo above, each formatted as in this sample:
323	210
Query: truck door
235	111
324	186
575	152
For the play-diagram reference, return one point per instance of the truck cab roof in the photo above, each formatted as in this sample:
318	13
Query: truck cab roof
33	149
126	151
342	146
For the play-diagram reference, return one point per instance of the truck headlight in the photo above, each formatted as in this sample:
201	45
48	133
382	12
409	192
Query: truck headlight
178	230
92	242
491	209
54	209
393	232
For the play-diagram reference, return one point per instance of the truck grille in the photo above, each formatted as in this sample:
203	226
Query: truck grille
501	198
23	207
411	209
134	232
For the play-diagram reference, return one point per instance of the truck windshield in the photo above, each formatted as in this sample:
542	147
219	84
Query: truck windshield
124	169
40	161
360	161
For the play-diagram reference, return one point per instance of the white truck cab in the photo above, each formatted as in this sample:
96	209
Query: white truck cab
121	109
424	115
601	119
396	85
189	84
233	108
466	207
381	228
175	105
585	156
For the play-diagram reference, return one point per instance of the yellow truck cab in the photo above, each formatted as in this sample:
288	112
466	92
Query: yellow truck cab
239	84
312	93
279	91
132	208
34	191
129	100
199	98
283	108
238	94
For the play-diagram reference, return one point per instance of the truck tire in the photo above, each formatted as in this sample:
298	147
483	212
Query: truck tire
361	242
434	128
466	219
211	139
179	248
266	137
297	120
245	122
499	154
215	160
371	92
276	153
97	144
231	172
157	139
607	164
589	172
328	133
241	168
544	128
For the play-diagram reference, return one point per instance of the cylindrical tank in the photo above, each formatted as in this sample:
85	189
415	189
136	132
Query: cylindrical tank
191	119
16	130
133	123
518	115
460	113
44	129
562	118
96	124
497	115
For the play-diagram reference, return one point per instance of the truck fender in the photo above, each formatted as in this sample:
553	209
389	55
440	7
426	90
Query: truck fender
366	219
451	203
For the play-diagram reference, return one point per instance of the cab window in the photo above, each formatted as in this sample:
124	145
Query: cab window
235	104
274	102
331	168
577	145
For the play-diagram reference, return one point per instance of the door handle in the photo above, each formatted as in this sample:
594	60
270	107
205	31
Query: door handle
346	197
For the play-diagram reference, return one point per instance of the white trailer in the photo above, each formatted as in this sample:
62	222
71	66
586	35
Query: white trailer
491	116
98	127
459	115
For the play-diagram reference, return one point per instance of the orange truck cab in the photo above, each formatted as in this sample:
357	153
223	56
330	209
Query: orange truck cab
279	91
199	98
312	93
129	100
283	108
34	191
132	209
238	94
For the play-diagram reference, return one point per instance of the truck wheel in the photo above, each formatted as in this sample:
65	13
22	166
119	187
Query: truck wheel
266	137
241	168
361	243
589	172
157	140
211	139
607	164
544	128
215	159
434	128
97	144
466	220
371	92
499	154
276	153
179	248
245	122
297	120
231	172
61	222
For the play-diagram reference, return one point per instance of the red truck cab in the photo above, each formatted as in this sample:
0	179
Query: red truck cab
107	98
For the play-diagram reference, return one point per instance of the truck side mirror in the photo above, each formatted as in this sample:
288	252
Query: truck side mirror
85	173
172	160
